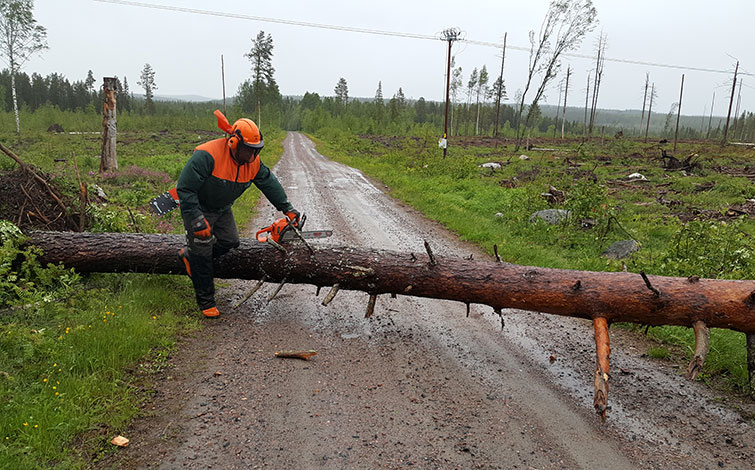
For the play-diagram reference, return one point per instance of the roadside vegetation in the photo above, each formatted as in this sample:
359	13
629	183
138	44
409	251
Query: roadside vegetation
694	222
78	353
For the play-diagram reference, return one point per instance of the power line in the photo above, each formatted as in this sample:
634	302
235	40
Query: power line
270	20
395	34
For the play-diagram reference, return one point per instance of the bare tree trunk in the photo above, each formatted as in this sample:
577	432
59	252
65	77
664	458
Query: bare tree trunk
736	111
566	92
500	91
731	101
558	108
587	100
650	112
645	98
678	113
109	159
596	84
15	100
710	119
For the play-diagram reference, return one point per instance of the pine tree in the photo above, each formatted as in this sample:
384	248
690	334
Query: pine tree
342	93
379	105
89	82
262	89
147	81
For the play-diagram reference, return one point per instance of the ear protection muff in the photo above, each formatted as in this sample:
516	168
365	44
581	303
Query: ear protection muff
234	139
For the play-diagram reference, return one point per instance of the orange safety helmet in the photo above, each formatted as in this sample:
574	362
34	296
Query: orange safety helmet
244	131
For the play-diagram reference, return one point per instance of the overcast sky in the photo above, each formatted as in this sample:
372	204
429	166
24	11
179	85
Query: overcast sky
184	49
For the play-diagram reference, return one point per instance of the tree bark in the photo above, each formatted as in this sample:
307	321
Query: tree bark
614	296
109	160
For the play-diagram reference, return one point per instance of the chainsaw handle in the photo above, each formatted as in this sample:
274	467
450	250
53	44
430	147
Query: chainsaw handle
261	231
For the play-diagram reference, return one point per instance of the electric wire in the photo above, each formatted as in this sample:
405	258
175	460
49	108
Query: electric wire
398	34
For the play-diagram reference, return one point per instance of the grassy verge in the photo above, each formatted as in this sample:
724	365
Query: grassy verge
69	345
489	207
64	364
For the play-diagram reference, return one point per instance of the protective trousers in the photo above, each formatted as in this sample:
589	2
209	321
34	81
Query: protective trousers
202	252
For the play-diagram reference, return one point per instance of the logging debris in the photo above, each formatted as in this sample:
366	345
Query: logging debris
31	202
304	355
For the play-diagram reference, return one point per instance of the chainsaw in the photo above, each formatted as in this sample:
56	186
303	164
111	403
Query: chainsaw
284	230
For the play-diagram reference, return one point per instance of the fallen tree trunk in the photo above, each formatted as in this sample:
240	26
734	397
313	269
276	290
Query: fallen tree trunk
602	297
615	296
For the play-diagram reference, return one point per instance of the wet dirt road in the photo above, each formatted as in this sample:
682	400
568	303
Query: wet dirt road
418	385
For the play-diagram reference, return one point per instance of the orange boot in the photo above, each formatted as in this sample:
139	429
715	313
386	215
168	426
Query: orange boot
211	312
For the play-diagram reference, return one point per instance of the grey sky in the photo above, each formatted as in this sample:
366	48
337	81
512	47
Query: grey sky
184	49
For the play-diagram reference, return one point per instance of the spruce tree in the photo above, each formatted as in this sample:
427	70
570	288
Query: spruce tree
147	81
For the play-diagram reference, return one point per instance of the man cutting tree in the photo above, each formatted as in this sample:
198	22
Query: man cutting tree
217	173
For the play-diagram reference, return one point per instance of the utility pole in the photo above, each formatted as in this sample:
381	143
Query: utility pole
500	92
566	92
678	114
731	101
650	111
222	73
450	35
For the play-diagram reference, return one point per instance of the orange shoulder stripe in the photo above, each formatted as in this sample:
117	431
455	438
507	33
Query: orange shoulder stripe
225	167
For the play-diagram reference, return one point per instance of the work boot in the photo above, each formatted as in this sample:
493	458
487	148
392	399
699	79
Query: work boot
183	255
211	312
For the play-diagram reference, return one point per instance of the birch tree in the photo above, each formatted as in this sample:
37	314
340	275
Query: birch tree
20	38
565	25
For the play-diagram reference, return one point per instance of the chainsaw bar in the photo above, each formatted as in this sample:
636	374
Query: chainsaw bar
289	235
165	202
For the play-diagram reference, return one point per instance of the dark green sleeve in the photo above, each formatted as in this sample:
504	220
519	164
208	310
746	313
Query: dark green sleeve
197	170
272	189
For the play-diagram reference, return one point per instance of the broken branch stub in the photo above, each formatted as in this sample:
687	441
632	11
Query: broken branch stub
702	342
603	348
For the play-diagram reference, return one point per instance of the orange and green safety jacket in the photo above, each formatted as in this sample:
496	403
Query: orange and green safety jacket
212	180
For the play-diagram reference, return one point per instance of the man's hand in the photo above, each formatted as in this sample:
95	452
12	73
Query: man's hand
293	215
201	228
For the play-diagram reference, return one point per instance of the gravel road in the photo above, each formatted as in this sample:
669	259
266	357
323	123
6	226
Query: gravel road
419	384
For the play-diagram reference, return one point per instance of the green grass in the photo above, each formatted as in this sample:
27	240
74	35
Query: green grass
64	364
481	207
